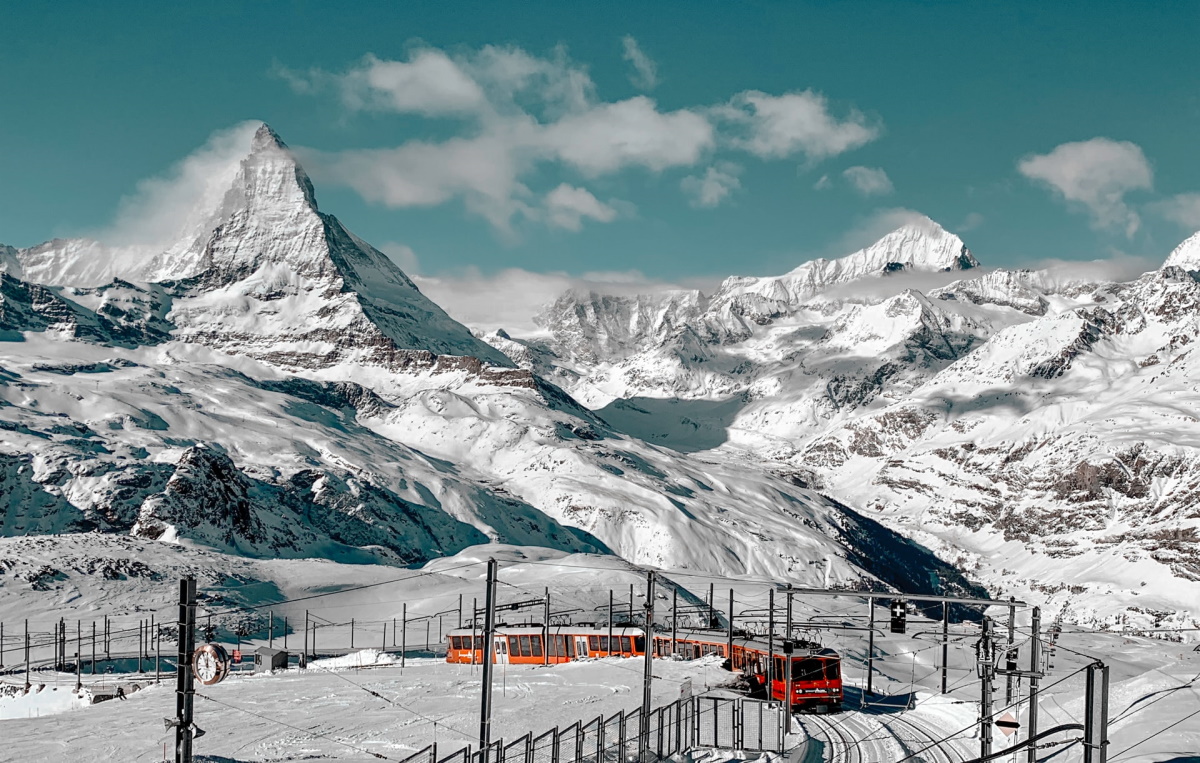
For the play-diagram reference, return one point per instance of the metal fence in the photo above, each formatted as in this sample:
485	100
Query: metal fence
727	723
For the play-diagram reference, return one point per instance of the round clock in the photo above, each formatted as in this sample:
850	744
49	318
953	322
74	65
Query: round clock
210	664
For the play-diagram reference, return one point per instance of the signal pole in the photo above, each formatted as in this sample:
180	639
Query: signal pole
489	631
648	675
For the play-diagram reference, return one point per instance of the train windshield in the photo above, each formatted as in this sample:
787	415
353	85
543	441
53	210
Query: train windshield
814	669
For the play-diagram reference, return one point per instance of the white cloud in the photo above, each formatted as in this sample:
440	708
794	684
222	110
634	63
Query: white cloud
1096	174
165	209
823	183
972	221
1183	209
778	126
612	136
429	83
527	114
645	72
869	181
567	206
404	256
714	186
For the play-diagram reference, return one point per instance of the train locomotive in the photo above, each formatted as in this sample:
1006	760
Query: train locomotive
816	678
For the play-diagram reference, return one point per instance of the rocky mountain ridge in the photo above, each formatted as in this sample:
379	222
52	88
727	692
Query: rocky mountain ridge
272	386
1003	418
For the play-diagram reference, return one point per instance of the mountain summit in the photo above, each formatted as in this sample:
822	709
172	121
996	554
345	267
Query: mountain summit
266	274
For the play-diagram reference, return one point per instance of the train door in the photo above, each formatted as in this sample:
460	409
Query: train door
581	646
500	647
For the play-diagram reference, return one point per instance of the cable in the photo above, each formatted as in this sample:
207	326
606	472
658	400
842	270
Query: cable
297	728
427	573
374	693
1160	731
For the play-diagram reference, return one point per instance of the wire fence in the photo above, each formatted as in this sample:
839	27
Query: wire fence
727	723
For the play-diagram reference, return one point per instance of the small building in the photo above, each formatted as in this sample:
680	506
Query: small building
268	658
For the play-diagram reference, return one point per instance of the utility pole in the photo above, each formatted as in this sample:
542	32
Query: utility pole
141	636
107	655
729	644
648	674
712	603
788	648
27	684
608	648
93	647
770	645
271	628
404	633
984	661
946	642
1012	654
460	597
546	631
1035	667
1095	729
870	645
304	654
184	690
489	630
674	618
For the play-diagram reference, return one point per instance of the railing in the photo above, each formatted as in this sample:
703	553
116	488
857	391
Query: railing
726	723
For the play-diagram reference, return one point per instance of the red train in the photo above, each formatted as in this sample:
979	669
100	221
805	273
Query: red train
816	671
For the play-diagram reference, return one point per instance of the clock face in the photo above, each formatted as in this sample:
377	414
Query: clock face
210	664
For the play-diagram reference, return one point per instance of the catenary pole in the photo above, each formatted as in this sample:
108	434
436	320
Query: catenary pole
648	673
184	690
546	631
489	632
945	642
985	691
729	639
770	645
1035	667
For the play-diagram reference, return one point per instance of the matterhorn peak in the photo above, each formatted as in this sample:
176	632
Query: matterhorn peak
1186	255
266	138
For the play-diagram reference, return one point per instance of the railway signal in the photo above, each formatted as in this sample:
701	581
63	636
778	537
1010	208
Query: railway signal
899	615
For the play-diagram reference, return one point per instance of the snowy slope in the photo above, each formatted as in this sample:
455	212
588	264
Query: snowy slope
1035	430
273	387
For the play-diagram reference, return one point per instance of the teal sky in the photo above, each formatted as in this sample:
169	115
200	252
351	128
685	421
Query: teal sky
953	102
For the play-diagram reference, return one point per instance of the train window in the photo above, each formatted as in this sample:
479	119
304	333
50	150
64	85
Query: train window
639	644
536	643
514	645
831	670
456	642
570	642
604	644
626	645
808	669
501	647
524	642
479	642
593	643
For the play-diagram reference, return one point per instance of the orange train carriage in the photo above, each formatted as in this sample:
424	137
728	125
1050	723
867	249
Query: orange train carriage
816	671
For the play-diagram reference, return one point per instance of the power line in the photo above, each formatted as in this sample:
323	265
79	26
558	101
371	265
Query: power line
1160	731
309	732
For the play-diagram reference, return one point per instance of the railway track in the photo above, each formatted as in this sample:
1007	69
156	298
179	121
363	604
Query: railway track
872	739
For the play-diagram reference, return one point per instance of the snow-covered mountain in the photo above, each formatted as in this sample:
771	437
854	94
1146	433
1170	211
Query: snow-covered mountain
271	386
1034	430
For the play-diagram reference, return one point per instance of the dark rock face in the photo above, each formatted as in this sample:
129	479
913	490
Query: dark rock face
209	500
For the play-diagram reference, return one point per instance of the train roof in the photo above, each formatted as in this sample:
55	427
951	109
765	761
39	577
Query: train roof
558	630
